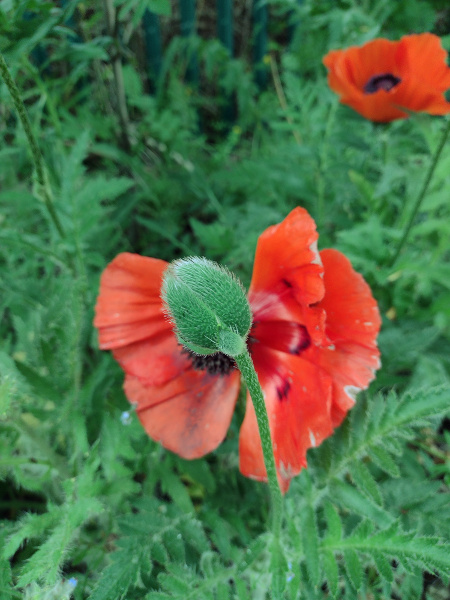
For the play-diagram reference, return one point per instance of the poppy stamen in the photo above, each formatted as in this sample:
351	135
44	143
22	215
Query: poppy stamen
385	81
214	364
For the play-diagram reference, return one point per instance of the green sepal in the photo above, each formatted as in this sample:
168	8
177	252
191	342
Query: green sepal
196	349
207	305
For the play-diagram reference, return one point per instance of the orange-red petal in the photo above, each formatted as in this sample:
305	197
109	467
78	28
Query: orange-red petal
352	325
426	59
129	307
287	257
189	414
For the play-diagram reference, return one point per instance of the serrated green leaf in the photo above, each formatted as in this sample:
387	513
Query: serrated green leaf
353	568
364	480
123	573
193	533
220	533
222	591
252	553
45	564
334	523
351	498
174	544
394	446
176	583
241	589
171	484
29	527
376	413
363	530
384	460
331	571
310	541
383	566
6	581
278	568
159	553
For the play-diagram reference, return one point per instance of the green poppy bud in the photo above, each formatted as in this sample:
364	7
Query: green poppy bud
207	305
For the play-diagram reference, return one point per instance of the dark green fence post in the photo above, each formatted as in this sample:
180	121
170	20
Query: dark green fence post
225	24
225	34
187	13
260	41
153	47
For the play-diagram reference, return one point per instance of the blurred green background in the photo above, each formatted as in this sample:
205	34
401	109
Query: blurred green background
182	128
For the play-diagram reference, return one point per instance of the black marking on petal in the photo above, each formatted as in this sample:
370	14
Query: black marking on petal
384	81
214	364
287	283
283	390
302	343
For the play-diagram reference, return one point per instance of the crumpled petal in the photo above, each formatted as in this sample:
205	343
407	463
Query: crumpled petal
311	360
287	258
352	325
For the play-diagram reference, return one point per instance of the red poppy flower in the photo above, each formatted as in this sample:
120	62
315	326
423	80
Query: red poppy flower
385	80
313	343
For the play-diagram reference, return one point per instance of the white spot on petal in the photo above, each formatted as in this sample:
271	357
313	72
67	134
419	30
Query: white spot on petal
312	438
286	472
316	260
351	391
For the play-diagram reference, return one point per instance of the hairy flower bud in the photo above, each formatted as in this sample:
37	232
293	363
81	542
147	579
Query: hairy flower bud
207	305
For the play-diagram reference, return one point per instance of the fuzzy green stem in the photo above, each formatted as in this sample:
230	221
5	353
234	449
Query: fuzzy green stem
38	160
422	193
245	365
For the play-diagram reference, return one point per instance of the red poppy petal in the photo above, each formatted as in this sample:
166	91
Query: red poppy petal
414	95
272	314
426	60
188	415
352	325
378	107
287	258
129	307
298	400
155	361
351	367
286	336
371	59
352	68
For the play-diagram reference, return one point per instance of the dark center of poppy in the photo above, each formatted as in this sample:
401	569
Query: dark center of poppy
214	364
385	81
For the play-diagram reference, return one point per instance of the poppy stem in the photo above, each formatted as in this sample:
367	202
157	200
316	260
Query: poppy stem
247	369
422	193
43	187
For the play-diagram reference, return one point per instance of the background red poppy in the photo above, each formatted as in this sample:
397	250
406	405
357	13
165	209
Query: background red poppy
385	80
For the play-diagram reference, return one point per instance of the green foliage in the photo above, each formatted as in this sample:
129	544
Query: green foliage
84	493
